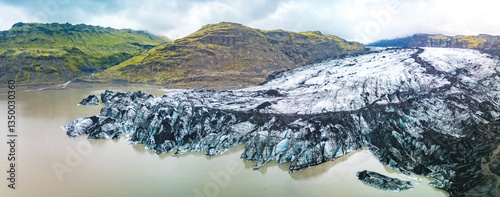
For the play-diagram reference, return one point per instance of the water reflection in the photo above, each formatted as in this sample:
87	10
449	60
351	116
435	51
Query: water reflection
140	148
321	169
99	142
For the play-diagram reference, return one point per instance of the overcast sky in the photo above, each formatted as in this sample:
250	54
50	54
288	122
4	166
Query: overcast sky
359	20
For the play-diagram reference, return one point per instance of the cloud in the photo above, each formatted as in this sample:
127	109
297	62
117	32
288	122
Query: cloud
10	15
176	19
360	20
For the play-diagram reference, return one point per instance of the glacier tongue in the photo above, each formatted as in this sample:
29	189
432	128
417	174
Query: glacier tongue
427	111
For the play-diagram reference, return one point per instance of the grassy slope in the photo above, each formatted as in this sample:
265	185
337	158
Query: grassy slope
36	53
223	53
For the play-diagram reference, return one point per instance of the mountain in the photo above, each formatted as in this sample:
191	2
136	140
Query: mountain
432	112
34	53
227	55
487	43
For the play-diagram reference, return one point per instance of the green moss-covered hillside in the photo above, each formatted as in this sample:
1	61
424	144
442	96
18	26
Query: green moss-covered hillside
227	55
34	53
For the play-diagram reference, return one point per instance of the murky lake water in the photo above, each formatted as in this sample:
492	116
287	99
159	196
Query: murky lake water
49	163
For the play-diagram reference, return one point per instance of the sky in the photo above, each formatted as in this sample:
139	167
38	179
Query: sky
357	20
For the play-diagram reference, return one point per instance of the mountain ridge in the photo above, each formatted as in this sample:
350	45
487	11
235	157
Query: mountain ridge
227	55
484	42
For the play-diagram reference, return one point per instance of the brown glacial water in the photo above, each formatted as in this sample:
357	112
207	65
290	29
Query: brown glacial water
49	163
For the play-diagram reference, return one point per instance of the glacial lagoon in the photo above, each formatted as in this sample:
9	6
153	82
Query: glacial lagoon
52	164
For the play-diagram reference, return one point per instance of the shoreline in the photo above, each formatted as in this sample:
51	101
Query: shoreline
71	85
84	85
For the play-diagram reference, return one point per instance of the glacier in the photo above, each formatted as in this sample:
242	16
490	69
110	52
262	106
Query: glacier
90	100
429	111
